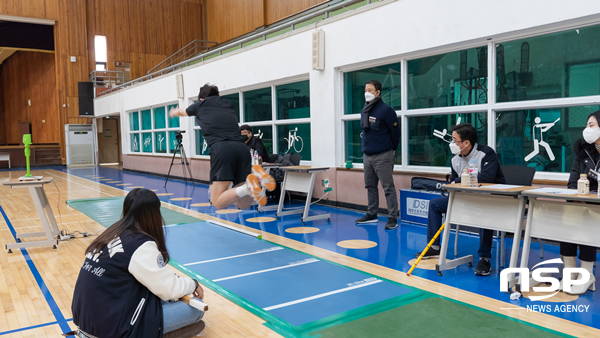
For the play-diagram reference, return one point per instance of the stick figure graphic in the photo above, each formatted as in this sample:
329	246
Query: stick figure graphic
536	144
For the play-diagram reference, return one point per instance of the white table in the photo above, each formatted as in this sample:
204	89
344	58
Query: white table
551	217
486	208
36	189
300	178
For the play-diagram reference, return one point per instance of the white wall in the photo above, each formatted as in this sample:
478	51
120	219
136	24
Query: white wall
377	34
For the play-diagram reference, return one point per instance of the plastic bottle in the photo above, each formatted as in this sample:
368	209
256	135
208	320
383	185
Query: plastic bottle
583	185
465	178
473	171
255	157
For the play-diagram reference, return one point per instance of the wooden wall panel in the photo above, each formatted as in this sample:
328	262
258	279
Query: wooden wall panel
2	113
30	76
228	19
276	10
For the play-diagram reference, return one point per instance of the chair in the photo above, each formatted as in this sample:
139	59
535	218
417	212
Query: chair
514	175
295	159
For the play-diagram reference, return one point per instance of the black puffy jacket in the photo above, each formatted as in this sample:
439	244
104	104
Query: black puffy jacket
586	158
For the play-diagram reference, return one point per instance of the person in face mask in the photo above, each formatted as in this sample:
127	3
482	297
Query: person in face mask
254	143
587	157
464	147
380	138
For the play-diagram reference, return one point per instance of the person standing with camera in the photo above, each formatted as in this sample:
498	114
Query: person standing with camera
230	162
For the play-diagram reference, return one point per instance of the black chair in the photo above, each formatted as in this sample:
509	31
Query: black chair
295	159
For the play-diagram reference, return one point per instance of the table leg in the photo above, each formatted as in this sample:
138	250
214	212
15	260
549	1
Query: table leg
443	264
526	239
54	227
282	196
308	196
514	255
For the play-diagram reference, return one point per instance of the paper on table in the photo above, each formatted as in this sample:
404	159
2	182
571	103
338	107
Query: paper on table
556	191
502	186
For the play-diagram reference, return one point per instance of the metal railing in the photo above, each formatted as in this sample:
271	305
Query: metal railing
238	43
189	51
107	78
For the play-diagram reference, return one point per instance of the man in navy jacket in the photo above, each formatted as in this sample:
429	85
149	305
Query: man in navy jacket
465	148
380	138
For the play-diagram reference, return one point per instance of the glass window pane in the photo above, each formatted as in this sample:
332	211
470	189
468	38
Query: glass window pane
172	142
134	140
295	138
354	87
147	139
235	101
293	100
159	118
451	79
160	140
146	120
265	133
353	144
202	147
173	121
563	64
134	121
257	105
428	150
516	132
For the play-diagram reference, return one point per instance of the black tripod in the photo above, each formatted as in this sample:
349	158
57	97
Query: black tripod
185	164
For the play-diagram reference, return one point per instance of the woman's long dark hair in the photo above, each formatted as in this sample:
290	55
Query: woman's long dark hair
141	213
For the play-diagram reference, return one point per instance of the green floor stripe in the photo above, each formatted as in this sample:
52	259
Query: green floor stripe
108	210
435	317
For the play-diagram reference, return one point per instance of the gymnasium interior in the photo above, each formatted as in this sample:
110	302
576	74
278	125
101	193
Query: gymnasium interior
86	91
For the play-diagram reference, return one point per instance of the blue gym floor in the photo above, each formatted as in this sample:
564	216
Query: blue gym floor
394	250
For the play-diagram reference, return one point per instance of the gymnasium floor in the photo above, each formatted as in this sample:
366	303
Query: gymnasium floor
314	286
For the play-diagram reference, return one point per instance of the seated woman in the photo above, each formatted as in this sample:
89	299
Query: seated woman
125	289
587	157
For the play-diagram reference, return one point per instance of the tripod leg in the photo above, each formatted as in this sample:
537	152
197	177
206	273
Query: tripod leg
187	165
171	167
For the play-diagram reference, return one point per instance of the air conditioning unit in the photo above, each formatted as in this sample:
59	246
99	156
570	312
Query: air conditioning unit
81	145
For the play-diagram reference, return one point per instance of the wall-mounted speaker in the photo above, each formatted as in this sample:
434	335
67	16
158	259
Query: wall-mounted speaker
179	80
86	99
318	50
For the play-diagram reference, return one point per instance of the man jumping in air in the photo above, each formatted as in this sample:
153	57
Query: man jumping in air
230	161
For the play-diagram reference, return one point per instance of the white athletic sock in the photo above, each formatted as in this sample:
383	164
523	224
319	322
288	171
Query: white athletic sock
242	190
589	266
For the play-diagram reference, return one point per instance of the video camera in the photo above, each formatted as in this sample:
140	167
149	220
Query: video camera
179	136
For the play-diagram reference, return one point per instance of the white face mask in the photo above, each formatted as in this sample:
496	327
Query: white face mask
455	149
590	135
369	97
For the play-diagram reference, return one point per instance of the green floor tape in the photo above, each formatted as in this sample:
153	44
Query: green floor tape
436	317
107	211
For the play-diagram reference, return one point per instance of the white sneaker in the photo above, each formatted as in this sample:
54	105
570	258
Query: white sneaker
582	289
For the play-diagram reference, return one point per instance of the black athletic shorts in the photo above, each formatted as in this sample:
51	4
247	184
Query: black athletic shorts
229	161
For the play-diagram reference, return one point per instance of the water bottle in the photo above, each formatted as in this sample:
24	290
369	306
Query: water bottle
255	157
473	171
465	178
583	185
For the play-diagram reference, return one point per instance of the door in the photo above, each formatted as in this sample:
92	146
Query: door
108	141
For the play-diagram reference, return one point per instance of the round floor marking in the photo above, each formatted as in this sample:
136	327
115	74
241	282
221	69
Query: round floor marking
357	244
165	194
106	179
113	182
260	219
139	187
425	264
228	211
302	230
181	199
560	297
124	184
153	190
201	205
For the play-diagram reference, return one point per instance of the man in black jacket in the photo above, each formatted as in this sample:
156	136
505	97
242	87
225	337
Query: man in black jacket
380	138
254	143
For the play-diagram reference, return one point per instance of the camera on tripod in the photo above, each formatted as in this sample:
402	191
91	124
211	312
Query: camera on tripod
187	172
178	135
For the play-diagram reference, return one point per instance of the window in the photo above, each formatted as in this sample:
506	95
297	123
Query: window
353	142
157	131
354	87
295	138
451	79
100	52
258	105
293	100
235	101
558	128
563	64
424	149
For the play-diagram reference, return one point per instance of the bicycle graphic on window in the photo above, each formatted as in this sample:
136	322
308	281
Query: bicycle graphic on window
204	145
293	140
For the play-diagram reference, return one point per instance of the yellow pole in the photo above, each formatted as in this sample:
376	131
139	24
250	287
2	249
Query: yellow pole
426	249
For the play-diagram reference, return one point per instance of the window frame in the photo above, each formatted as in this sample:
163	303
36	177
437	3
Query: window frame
152	130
